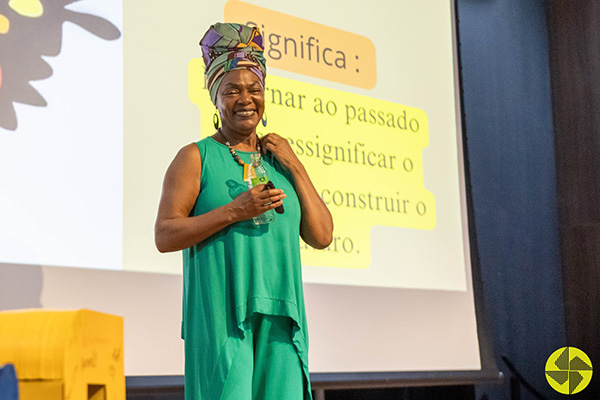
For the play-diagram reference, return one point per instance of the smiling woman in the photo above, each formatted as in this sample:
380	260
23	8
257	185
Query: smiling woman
244	323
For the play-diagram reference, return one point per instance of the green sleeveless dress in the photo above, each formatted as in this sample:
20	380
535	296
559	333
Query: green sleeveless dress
241	270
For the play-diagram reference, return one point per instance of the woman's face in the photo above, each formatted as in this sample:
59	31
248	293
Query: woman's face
240	101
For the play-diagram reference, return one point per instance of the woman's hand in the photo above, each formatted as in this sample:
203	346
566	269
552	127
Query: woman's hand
280	148
256	201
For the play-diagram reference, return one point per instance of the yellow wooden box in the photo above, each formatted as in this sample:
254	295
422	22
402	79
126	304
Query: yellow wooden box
64	355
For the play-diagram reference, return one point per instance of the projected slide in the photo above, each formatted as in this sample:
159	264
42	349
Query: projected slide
364	95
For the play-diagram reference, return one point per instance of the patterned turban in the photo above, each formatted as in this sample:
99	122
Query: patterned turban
227	47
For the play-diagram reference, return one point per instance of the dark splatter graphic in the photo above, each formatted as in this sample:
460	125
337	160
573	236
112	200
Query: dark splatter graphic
30	29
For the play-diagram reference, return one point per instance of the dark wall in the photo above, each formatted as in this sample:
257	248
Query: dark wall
575	65
508	120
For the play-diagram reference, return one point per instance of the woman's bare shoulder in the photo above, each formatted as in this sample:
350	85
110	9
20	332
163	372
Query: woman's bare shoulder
187	157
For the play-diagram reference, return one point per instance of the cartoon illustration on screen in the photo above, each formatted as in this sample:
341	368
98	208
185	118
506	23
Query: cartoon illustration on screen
29	30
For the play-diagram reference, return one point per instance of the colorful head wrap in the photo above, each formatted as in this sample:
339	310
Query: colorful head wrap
226	47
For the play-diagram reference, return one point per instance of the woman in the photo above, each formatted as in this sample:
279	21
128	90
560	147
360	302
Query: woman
244	323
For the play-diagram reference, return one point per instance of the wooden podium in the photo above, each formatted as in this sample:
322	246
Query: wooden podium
64	355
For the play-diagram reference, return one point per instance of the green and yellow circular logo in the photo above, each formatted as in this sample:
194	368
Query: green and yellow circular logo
568	370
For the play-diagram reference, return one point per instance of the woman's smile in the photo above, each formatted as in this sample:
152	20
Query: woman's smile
245	113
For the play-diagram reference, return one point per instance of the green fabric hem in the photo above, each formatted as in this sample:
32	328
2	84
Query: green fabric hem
280	308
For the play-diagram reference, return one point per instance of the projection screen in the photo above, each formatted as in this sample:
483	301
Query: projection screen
97	96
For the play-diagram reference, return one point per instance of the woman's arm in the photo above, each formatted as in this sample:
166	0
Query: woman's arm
316	224
176	230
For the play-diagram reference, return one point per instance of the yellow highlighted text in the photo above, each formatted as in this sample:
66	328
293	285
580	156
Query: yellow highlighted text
364	156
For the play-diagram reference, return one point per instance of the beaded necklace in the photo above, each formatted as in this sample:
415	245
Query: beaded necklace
235	155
